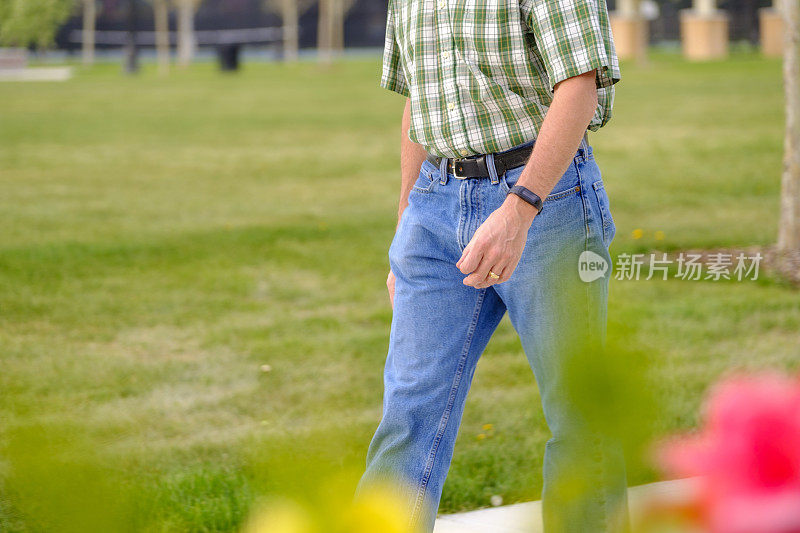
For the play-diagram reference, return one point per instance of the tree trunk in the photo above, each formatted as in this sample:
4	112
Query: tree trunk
89	21
705	7
161	15
332	15
633	10
628	8
291	23
131	47
789	231
337	27
186	38
324	31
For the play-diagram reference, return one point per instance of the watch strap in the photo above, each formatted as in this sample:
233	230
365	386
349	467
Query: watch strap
527	195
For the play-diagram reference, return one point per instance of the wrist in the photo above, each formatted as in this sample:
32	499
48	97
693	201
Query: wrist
520	208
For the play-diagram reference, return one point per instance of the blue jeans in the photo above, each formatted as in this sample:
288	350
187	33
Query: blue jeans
440	327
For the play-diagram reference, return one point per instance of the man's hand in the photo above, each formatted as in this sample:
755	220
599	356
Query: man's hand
390	285
412	155
497	244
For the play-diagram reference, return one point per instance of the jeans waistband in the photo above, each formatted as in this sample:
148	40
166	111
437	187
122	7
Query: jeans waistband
582	154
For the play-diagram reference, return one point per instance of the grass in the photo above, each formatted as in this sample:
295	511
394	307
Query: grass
162	239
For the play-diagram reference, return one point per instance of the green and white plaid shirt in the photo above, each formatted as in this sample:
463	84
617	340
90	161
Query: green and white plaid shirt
480	73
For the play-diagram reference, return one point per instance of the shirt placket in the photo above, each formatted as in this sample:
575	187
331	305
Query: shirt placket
447	60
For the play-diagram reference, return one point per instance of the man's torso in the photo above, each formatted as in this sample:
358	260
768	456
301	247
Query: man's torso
480	73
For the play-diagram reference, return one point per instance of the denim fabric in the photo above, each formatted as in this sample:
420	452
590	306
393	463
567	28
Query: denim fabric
440	327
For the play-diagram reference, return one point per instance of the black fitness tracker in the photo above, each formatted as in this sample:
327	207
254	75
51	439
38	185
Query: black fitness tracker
527	195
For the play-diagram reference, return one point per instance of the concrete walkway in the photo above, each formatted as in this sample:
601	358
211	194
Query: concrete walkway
527	517
36	74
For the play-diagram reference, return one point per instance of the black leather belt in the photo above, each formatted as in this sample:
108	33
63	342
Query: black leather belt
476	166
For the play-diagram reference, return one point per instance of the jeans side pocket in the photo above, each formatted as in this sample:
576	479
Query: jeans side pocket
604	206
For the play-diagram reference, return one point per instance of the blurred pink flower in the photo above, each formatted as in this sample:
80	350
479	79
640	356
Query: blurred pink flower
747	457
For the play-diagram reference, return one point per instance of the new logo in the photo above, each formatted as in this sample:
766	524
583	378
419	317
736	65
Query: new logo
591	266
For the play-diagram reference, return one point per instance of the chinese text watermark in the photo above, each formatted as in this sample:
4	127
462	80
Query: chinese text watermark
689	266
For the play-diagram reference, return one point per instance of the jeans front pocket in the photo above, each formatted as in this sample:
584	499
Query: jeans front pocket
568	184
509	179
424	181
604	206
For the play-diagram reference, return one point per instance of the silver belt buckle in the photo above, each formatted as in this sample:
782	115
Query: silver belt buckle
455	170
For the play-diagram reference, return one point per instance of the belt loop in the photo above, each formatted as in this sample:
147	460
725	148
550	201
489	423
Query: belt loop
584	148
492	169
443	171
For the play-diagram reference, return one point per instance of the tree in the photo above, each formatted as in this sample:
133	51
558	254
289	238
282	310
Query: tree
161	16
630	14
187	42
330	33
32	22
89	21
789	231
290	11
342	7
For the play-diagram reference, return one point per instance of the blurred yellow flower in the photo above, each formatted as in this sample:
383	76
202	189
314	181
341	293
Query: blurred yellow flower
481	436
280	517
377	509
638	233
659	235
488	427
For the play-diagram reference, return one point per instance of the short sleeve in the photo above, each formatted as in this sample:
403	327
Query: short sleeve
392	77
573	37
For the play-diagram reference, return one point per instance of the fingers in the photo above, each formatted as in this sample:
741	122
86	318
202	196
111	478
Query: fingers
390	280
480	257
503	274
490	261
470	258
480	274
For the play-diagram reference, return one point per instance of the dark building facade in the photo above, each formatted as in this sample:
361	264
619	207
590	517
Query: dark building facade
365	23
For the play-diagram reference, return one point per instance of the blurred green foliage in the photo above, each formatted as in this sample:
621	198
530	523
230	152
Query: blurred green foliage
32	22
164	239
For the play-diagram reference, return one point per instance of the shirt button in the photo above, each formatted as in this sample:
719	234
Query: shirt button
446	54
442	4
451	106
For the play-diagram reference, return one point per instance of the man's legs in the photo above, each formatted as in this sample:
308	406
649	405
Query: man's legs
561	319
440	327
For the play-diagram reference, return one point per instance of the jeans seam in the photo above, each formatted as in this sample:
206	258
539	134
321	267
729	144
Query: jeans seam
583	195
479	208
448	409
463	219
605	217
588	299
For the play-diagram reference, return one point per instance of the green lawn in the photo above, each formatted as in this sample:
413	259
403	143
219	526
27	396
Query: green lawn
162	239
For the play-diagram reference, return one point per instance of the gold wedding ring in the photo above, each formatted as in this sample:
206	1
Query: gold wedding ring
493	275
